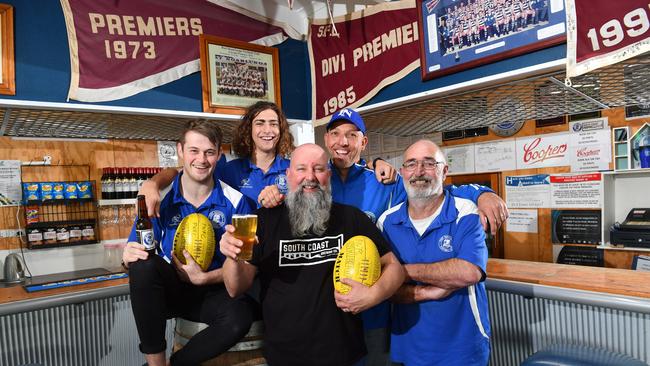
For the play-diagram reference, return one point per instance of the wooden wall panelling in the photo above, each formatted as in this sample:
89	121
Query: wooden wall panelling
621	258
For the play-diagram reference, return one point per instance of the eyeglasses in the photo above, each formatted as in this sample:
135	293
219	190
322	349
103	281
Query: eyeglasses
428	164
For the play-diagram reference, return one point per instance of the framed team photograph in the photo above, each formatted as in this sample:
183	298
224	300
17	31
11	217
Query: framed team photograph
236	74
8	77
459	34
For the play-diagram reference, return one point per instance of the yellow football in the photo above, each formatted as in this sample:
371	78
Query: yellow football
195	234
358	260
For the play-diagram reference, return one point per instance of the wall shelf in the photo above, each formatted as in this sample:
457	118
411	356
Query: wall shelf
117	202
621	192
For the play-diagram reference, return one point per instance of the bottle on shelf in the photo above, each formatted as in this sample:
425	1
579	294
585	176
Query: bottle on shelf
141	177
103	183
133	183
119	183
108	184
144	228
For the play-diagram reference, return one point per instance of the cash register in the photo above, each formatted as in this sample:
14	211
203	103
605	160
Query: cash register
634	231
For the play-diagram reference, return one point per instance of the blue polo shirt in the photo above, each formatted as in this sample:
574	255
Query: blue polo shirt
454	330
246	177
219	208
362	190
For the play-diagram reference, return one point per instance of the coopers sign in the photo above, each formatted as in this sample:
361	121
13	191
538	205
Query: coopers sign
542	151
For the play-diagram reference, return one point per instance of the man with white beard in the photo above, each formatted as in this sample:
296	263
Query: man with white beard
440	314
306	322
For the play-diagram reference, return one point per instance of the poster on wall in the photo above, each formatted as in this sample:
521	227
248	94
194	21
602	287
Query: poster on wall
495	156
543	151
591	150
359	54
528	191
576	226
461	34
460	159
167	154
589	124
522	221
576	190
10	188
605	32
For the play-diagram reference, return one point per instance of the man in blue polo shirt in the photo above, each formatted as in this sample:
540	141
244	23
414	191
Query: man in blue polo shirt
440	314
161	287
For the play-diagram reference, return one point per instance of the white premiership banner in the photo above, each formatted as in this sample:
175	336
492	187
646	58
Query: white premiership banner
528	191
543	151
460	159
576	190
591	150
522	221
495	156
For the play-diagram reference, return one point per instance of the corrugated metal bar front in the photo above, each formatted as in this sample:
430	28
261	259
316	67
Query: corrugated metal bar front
100	332
522	325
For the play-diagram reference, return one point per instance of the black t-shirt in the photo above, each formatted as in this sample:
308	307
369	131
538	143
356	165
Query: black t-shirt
303	326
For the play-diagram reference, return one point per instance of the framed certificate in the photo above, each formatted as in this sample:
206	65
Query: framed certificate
460	34
236	74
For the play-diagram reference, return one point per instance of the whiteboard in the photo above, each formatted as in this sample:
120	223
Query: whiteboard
495	156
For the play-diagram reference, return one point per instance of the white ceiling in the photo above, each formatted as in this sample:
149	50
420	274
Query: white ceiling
295	21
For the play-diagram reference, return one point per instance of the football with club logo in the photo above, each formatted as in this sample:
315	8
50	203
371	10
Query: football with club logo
195	234
358	260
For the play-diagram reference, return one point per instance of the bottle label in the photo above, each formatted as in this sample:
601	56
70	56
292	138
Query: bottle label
110	186
145	237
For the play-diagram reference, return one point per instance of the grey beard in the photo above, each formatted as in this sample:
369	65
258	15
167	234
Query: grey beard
309	213
421	193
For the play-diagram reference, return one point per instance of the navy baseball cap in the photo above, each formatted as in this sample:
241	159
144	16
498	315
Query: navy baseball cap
349	115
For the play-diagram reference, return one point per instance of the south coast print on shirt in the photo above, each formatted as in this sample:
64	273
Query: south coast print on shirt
308	252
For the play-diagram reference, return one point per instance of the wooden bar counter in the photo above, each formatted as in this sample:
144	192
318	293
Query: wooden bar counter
603	280
15	299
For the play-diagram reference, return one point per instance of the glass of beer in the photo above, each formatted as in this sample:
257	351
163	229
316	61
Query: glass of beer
245	229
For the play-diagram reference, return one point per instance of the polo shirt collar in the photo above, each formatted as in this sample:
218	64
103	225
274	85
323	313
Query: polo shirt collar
355	170
276	166
216	197
448	214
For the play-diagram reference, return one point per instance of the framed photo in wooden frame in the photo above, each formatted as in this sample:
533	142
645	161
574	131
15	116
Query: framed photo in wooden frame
236	74
459	34
8	76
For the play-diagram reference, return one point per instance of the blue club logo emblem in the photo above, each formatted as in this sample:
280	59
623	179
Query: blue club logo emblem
281	183
217	218
445	243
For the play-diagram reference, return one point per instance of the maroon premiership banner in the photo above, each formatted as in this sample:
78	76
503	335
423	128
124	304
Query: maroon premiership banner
374	48
604	32
121	48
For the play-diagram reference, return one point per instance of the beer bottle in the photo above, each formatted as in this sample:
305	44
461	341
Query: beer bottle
144	228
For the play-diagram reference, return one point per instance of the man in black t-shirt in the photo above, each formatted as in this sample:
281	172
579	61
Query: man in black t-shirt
306	322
